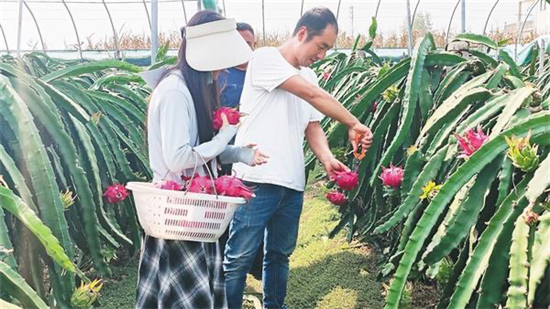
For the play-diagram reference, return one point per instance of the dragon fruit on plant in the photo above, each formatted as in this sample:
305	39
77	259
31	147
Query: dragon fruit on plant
392	176
471	141
336	198
523	155
346	180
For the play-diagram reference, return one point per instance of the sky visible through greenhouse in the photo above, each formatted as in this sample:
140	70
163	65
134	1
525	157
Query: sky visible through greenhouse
280	17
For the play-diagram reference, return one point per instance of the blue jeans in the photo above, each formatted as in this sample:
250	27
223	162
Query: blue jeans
273	215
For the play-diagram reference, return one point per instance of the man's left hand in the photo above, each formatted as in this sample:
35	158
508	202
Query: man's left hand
364	132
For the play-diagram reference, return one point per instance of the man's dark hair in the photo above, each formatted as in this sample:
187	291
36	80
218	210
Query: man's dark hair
245	27
316	20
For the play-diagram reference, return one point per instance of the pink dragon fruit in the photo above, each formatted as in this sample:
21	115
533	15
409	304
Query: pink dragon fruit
336	198
200	184
115	193
168	185
233	116
471	141
392	176
346	180
233	186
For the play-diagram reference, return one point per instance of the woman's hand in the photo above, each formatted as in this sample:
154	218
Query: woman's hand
225	122
259	157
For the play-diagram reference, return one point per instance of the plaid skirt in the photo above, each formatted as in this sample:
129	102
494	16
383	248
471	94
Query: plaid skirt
180	274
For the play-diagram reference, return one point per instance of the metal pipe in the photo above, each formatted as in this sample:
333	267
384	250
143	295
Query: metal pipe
377	8
5	40
154	30
450	22
463	17
115	35
184	11
409	27
522	28
542	56
337	16
19	27
414	13
489	17
263	19
75	30
147	12
37	27
302	8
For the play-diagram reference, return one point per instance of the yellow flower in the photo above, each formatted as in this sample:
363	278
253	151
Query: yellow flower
411	150
95	118
86	294
390	95
67	199
430	191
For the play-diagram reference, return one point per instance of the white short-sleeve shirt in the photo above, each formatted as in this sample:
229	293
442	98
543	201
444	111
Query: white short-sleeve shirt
276	120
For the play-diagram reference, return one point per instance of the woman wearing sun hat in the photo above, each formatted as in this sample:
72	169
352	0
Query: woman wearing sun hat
187	274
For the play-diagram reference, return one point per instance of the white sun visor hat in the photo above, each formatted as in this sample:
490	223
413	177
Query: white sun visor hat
216	46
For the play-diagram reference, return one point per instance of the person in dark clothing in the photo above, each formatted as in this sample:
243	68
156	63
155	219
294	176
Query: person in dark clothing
231	80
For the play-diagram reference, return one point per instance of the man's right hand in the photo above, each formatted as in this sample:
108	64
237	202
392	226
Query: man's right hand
364	132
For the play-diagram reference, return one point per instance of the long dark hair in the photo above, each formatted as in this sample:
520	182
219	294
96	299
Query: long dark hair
204	90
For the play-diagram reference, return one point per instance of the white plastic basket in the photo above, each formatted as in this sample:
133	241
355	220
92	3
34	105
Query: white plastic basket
179	215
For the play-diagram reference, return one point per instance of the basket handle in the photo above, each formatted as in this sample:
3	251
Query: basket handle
207	169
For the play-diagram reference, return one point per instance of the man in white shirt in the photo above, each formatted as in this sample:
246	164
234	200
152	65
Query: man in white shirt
284	104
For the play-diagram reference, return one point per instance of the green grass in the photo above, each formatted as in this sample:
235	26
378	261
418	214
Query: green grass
328	273
120	291
324	273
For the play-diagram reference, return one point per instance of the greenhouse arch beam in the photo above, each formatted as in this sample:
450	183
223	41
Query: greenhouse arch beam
75	29
5	39
154	30
263	20
37	26
19	27
115	36
450	22
377	9
414	13
184	11
489	16
337	16
409	28
147	13
518	39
